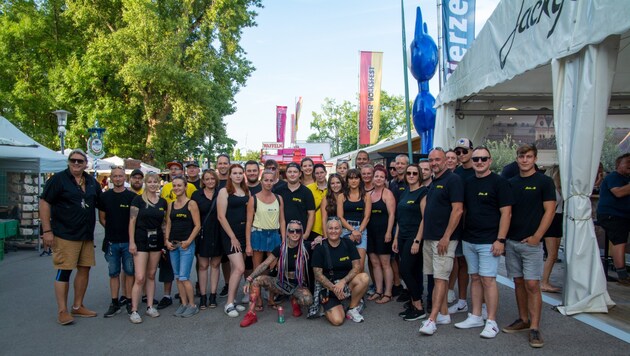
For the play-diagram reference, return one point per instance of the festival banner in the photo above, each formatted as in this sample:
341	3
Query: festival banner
295	118
458	33
281	121
370	72
293	130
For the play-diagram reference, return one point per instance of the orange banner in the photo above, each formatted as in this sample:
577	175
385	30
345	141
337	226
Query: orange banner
370	72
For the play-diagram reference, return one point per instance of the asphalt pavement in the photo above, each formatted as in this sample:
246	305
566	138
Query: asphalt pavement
28	326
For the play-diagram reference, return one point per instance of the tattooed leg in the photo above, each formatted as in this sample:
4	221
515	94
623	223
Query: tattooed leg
254	292
303	296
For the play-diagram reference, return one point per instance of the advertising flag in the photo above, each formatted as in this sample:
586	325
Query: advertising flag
281	121
370	72
294	120
458	33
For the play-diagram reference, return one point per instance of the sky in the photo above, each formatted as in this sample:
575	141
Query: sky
310	48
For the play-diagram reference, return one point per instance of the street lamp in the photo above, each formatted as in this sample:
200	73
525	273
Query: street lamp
62	120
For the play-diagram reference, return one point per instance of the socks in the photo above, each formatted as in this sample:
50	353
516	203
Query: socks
622	273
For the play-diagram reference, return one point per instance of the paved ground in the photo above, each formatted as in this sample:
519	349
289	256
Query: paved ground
28	326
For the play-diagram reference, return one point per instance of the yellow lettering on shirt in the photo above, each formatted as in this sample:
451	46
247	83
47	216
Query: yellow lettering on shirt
359	209
161	209
439	186
181	215
530	188
483	194
297	200
377	211
346	258
410	201
123	206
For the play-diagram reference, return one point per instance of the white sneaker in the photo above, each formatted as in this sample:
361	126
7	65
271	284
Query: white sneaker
231	311
245	299
490	331
443	319
428	327
473	321
354	315
484	311
135	318
451	296
460	307
240	308
152	312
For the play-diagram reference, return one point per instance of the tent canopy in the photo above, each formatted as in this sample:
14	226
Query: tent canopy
20	153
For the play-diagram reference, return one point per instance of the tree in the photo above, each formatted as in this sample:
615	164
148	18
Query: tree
339	123
159	75
253	155
610	150
503	153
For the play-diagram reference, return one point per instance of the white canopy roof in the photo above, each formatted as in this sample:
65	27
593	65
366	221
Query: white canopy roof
20	153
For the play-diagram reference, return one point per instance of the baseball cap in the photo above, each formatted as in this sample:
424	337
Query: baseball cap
464	143
294	165
174	162
136	172
192	163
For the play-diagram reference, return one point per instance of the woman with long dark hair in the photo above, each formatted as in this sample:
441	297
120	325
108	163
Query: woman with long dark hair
336	186
354	208
306	166
209	250
292	279
232	214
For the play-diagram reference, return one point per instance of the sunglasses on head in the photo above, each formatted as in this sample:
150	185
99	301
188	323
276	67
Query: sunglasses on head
272	168
294	231
412	173
482	159
76	160
460	151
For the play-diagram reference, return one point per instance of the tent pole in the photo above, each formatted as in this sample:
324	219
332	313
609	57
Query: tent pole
407	114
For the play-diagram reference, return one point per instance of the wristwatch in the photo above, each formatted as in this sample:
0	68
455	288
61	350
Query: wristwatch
501	240
416	241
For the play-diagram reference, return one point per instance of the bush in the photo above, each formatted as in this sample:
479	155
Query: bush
503	152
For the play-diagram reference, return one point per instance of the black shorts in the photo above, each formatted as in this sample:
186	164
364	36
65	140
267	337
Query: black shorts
166	269
143	245
555	229
332	302
616	227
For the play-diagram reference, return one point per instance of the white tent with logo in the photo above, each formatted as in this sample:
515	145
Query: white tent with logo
561	57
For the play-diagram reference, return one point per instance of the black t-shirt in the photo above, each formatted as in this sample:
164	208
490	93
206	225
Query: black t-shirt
196	183
341	258
465	173
297	203
397	187
483	199
444	191
116	209
255	189
149	217
222	183
280	185
529	194
408	212
291	258
72	211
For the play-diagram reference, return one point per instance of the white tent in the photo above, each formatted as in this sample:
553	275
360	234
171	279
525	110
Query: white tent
20	153
532	56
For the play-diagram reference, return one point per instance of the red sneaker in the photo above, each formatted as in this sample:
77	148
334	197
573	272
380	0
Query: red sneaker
249	319
297	311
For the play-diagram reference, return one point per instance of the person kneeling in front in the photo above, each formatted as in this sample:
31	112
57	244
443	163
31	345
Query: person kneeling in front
292	275
336	265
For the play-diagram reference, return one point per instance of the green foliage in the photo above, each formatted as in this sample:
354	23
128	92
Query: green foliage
158	75
610	150
503	152
253	155
338	123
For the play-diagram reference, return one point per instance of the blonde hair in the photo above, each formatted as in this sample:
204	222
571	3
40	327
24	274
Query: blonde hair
145	192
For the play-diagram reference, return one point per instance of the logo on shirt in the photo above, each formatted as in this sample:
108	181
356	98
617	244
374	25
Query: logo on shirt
530	188
483	194
376	211
124	206
410	201
346	258
439	186
181	215
161	209
297	200
359	209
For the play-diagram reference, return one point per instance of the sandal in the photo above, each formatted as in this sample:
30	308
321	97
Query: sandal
259	308
380	301
375	296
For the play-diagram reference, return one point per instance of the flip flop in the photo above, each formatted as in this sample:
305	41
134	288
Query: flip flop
375	296
380	301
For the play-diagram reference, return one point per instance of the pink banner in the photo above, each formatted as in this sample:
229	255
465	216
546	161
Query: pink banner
281	121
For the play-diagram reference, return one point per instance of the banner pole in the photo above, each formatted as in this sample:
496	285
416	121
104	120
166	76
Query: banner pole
407	111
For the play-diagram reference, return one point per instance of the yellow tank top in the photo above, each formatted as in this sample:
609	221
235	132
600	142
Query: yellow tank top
267	216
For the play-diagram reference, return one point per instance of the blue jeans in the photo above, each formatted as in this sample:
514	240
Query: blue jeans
117	254
346	234
182	261
480	259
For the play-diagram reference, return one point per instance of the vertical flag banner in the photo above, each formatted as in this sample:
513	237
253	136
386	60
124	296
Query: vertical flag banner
281	121
458	33
295	118
293	130
370	72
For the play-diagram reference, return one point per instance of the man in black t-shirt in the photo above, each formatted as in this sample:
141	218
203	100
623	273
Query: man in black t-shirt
299	203
488	205
443	208
397	185
252	174
532	213
192	173
114	216
67	212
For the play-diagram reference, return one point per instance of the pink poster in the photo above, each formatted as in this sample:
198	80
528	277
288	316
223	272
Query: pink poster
281	121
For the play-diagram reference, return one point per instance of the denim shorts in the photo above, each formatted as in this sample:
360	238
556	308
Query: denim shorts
265	240
480	259
118	254
523	260
346	234
440	266
182	261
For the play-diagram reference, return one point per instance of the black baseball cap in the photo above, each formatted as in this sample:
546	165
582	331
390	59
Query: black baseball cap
136	172
192	163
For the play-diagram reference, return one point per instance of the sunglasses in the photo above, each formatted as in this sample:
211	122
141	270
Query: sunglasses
482	159
461	151
412	173
294	231
76	160
272	168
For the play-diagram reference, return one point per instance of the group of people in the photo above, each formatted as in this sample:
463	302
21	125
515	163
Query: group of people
307	238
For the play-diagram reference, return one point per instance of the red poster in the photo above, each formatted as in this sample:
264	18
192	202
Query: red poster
281	121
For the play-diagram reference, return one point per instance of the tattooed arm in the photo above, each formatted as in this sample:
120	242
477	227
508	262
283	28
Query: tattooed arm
262	267
133	216
356	269
318	272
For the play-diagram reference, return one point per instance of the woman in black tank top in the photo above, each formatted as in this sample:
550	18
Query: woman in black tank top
232	214
354	208
182	227
336	186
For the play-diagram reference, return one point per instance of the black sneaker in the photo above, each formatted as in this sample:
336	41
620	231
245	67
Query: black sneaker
396	290
203	302
224	291
212	300
407	304
113	310
404	296
165	302
123	300
144	299
414	314
128	305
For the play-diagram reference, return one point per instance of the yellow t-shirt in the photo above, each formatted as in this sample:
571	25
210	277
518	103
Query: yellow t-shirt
318	196
169	196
